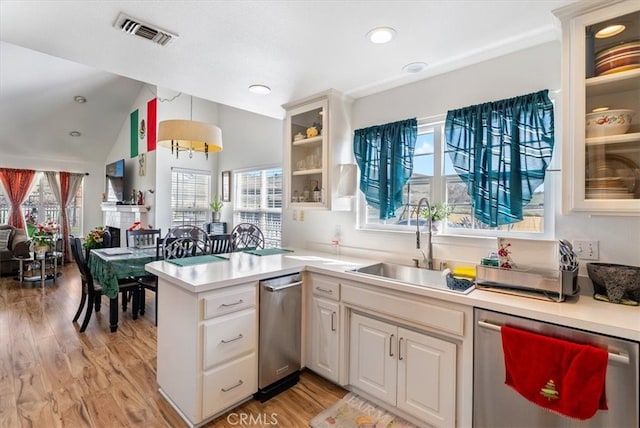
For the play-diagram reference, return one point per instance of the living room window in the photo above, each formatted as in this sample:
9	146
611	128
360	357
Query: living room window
41	205
435	178
190	193
258	200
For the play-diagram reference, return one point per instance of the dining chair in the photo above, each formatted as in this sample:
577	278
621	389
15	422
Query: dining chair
92	291
145	238
220	243
185	241
246	236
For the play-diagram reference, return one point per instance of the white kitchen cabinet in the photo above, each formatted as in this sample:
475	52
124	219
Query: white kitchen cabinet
324	327
207	349
410	370
313	161
324	347
601	174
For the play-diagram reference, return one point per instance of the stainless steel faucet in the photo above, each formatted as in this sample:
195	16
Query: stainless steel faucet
429	257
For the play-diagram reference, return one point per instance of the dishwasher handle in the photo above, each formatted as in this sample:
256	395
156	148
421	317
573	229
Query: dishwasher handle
272	288
618	357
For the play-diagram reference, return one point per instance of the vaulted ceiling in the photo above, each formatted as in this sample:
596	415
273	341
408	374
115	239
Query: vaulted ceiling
52	50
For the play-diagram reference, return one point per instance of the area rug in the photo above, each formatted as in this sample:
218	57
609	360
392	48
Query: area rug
353	411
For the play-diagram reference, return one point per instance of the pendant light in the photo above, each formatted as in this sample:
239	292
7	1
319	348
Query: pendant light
189	135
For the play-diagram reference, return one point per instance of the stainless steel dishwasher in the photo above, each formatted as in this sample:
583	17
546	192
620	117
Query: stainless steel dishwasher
497	405
280	335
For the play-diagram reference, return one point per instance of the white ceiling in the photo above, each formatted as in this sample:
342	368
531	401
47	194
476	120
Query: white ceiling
297	47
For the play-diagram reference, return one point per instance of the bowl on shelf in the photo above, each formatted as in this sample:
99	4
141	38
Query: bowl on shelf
619	283
608	122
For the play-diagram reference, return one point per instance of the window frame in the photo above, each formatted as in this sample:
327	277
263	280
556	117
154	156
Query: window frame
197	211
439	194
270	240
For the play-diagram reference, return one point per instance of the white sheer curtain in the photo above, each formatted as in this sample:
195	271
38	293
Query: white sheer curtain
64	190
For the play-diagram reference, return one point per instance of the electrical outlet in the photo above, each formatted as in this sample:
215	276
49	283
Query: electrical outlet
586	249
301	215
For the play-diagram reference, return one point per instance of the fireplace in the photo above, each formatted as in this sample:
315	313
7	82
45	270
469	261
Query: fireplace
120	217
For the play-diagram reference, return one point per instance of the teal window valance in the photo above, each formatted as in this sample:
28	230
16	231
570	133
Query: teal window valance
384	154
501	150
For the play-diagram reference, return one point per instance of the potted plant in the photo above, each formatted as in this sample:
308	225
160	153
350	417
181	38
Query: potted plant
438	212
216	205
44	237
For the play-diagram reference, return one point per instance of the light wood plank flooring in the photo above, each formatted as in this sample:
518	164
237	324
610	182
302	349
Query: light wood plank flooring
53	376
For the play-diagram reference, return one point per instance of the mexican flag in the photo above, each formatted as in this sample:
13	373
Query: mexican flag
143	127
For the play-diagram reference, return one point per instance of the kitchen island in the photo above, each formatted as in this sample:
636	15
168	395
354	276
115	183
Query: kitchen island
198	302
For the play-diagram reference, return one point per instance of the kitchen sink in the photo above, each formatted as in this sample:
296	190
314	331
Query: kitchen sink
407	275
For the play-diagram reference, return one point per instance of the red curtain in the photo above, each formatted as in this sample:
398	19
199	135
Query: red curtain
64	197
16	183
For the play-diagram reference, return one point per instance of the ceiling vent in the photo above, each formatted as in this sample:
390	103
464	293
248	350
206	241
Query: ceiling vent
139	28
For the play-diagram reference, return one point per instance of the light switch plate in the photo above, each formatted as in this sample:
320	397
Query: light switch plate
586	249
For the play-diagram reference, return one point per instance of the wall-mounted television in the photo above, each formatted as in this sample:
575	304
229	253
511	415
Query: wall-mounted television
114	187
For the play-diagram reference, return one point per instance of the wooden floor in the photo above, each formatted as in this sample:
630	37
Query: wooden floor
53	376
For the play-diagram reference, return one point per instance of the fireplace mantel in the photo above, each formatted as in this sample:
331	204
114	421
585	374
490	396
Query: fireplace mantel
124	216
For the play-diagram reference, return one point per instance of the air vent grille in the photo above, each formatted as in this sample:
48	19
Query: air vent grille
142	29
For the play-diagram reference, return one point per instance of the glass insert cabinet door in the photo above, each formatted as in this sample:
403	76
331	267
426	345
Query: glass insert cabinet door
601	102
307	147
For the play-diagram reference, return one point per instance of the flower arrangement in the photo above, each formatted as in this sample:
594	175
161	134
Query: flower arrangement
94	239
44	234
438	212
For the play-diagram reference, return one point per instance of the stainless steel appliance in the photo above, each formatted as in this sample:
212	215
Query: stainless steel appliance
497	405
280	330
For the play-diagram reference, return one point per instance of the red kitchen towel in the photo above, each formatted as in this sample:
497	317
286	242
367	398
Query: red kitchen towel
565	377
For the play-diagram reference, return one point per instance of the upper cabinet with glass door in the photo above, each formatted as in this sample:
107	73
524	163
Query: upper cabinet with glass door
601	106
316	142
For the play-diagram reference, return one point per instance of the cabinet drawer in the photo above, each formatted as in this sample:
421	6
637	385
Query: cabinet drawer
329	289
229	384
229	336
229	300
434	316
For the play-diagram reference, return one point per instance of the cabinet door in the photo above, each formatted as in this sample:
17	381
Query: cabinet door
372	360
306	150
324	346
427	378
601	150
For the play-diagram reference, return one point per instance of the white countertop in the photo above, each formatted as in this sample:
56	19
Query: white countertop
582	312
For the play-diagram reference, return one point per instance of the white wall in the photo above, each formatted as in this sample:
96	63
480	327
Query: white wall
512	75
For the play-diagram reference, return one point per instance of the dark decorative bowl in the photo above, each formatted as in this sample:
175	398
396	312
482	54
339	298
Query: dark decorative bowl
617	282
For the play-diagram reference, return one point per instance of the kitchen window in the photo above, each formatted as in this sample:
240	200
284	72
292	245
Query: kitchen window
258	200
190	193
434	177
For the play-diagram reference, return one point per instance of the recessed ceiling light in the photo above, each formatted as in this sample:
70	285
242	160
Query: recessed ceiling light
381	35
260	89
75	133
610	31
80	99
414	67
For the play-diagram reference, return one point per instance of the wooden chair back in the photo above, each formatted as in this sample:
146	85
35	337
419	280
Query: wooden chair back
245	236
220	243
185	241
145	238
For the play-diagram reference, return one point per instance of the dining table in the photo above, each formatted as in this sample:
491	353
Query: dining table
109	266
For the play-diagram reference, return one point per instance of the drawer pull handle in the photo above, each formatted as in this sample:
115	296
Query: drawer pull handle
391	345
226	305
333	319
233	387
400	349
232	340
324	290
